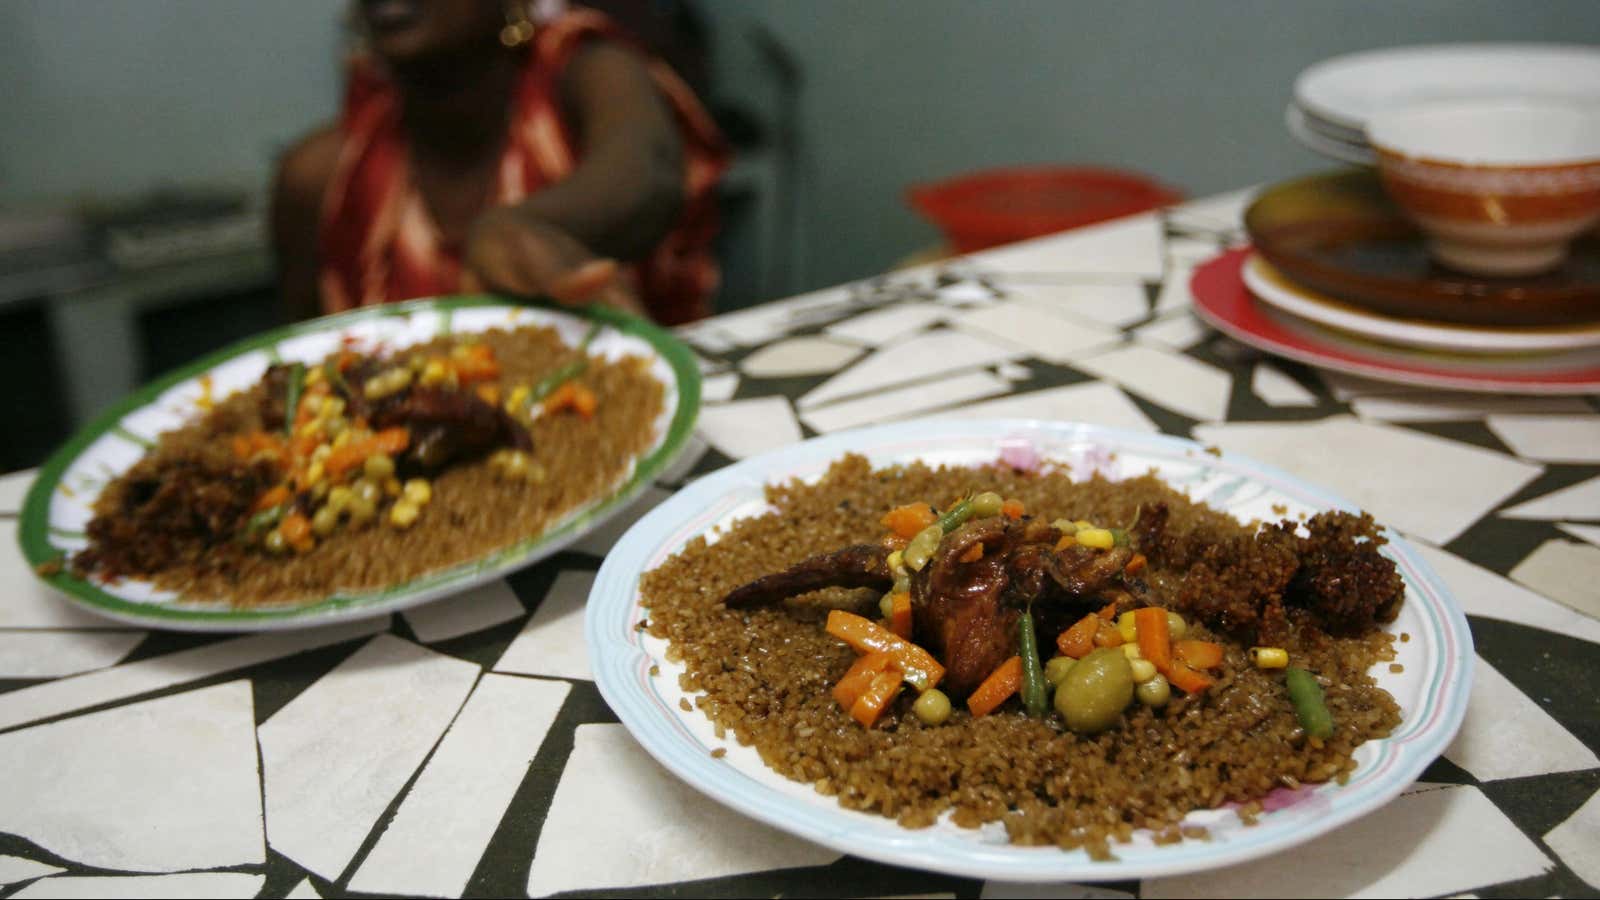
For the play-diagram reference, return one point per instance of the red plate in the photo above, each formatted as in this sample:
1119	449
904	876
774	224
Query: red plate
1223	301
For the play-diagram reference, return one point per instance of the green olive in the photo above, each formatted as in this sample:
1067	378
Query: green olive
1096	691
339	499
1155	692
361	510
378	467
325	521
1057	669
275	542
932	708
369	490
986	505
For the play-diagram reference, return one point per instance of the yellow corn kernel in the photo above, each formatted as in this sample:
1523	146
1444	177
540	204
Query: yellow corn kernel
1083	523
315	471
1143	670
313	375
402	514
1125	624
897	562
1269	657
1131	651
434	372
321	453
418	491
1098	538
519	398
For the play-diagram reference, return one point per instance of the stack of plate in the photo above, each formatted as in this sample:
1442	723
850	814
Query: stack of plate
1334	98
1337	277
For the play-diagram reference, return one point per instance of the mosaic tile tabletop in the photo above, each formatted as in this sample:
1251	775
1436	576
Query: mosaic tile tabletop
462	749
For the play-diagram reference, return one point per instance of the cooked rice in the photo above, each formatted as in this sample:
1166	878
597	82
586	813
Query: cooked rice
765	676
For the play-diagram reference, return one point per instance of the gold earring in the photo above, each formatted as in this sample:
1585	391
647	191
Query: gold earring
519	28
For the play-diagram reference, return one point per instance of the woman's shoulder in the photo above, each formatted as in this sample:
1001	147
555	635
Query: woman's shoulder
306	167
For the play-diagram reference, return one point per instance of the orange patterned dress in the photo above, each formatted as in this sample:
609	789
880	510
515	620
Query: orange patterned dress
379	244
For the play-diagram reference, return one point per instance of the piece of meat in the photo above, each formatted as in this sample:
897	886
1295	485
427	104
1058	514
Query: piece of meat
860	566
448	424
959	608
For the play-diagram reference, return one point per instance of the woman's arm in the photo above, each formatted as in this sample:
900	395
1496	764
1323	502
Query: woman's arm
302	178
624	195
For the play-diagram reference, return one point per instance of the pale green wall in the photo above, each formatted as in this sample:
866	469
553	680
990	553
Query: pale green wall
1192	92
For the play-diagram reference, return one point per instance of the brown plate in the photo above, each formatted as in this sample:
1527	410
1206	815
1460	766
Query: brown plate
1339	233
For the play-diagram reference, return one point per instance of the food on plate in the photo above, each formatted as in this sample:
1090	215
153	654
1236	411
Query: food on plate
374	466
1073	659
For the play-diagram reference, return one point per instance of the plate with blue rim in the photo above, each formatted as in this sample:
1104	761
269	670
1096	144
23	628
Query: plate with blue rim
1430	677
60	503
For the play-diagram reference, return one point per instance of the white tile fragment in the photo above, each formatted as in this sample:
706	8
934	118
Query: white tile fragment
1275	388
1188	386
881	326
671	831
1507	735
600	541
1127	246
1578	501
1053	890
65	695
14	489
551	643
125	789
1564	571
1484	593
1418	483
447	818
719	388
1363	859
474	609
1577	840
335	756
1446	406
762	323
1219	212
1590	533
53	654
1191	251
965	293
16	868
912	360
199	885
806	355
1013	371
1175	293
1564	439
749	427
25	602
303	891
1045	335
1180	331
1094	402
1112	305
905	402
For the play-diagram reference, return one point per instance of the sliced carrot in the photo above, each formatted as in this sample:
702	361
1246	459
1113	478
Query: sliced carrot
1155	641
1199	654
273	496
1186	679
858	677
877	697
488	393
1012	509
906	521
1109	611
1078	641
973	554
296	530
389	441
1135	565
900	614
1001	684
574	396
1066	541
392	440
921	669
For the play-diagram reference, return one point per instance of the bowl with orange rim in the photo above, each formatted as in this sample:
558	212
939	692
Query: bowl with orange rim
1500	187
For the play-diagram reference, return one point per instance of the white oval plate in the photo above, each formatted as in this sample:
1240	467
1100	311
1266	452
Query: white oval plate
1274	288
60	503
1346	90
1432	690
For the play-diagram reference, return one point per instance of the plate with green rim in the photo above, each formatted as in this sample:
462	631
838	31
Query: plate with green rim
59	504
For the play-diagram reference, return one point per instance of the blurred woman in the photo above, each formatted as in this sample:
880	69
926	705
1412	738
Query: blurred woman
478	151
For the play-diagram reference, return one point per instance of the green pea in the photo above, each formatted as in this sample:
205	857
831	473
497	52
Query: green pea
886	605
378	467
1155	692
325	521
932	708
1057	669
1096	691
361	510
987	505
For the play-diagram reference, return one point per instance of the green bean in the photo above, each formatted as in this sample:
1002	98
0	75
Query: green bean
1306	695
568	371
265	519
336	378
1034	694
955	516
291	397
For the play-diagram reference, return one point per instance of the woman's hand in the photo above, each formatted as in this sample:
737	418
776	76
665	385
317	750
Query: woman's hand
510	252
